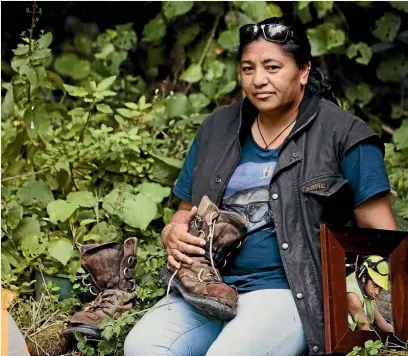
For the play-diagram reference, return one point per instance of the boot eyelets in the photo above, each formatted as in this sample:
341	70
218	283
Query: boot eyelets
131	261
132	289
85	281
92	290
128	272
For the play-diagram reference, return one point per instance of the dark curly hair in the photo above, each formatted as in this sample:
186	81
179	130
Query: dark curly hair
297	45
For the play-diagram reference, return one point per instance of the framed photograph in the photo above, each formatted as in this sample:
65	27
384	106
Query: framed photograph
364	270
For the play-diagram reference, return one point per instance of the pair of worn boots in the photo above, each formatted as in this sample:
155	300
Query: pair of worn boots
111	268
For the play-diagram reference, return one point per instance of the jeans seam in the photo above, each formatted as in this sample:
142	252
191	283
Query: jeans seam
178	336
280	342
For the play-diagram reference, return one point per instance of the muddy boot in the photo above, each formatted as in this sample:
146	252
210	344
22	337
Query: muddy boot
200	284
111	269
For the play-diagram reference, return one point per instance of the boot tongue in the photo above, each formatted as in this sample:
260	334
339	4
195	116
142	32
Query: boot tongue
103	262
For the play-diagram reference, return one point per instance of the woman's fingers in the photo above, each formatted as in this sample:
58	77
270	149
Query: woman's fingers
190	239
193	213
172	264
181	257
189	249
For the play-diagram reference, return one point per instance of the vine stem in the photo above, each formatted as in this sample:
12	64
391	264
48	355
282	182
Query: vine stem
26	175
87	121
207	47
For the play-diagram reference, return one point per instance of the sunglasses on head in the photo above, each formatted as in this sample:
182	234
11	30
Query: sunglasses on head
271	32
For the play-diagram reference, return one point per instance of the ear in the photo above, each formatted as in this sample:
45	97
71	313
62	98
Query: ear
304	73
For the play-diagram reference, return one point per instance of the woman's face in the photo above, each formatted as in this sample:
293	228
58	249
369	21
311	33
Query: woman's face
270	77
372	289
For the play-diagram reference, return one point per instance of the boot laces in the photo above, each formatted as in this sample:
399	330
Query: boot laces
101	300
208	275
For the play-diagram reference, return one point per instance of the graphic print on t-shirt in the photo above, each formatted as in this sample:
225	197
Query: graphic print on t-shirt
247	193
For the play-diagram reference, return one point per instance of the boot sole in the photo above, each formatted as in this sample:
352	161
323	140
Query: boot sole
91	333
210	305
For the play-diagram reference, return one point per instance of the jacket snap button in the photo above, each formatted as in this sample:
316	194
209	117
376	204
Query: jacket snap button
295	155
315	349
285	246
275	196
218	180
299	296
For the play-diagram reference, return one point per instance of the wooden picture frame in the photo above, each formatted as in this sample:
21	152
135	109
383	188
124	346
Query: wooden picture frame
335	243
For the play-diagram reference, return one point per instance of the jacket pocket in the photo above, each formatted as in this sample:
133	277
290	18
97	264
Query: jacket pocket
327	199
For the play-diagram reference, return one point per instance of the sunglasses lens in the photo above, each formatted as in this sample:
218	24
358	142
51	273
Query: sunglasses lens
277	33
382	268
248	32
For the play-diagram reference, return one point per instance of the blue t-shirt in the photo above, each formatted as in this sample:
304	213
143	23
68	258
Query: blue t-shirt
258	264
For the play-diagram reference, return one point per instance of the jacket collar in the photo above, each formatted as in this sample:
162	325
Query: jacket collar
308	110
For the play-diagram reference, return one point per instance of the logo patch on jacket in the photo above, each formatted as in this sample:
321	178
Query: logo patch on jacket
315	186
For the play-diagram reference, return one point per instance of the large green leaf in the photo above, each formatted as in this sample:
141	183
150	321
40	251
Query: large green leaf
14	215
60	210
154	30
75	91
82	198
325	37
188	35
139	212
197	102
72	66
323	7
176	105
214	70
108	233
31	246
154	191
53	81
393	69
106	83
61	250
399	5
236	19
273	10
229	40
226	89
45	40
25	227
193	74
7	106
36	122
254	9
135	210
104	108
386	28
173	9
359	94
401	136
361	51
35	192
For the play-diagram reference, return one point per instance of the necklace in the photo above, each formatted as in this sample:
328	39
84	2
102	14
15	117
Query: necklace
270	143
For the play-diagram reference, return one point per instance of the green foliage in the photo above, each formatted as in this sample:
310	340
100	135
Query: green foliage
370	348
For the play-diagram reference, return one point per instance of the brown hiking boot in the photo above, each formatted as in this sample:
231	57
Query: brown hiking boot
111	269
200	284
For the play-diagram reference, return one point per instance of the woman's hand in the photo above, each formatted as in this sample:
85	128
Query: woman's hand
178	242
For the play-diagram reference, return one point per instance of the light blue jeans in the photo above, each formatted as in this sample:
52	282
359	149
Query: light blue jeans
267	323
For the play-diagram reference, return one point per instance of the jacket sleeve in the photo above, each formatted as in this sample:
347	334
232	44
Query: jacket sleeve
357	133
